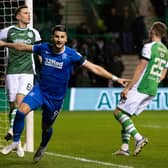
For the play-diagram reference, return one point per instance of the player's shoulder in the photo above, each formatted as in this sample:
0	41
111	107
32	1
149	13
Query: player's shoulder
71	51
149	44
43	45
33	30
6	29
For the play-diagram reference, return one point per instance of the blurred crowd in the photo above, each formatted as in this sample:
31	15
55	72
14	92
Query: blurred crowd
102	51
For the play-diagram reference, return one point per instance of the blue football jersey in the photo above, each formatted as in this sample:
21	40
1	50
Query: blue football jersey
56	69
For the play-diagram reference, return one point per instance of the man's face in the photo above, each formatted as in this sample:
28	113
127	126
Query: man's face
24	16
59	39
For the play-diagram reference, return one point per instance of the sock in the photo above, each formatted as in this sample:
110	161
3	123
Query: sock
46	135
125	147
18	125
128	125
125	136
11	120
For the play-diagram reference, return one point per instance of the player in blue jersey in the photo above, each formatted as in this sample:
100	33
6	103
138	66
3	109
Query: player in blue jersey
57	61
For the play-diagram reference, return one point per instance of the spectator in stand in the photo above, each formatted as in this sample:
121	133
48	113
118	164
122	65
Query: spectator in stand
139	33
83	28
113	61
127	39
57	8
113	22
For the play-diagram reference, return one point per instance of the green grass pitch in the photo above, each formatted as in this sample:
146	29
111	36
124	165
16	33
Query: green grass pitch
87	140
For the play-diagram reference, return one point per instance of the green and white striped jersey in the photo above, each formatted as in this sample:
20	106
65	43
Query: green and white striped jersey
18	61
157	54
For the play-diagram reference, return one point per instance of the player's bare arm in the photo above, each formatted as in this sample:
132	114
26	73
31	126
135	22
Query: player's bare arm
98	70
163	74
17	46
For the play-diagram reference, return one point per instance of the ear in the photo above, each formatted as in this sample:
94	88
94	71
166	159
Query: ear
66	39
18	17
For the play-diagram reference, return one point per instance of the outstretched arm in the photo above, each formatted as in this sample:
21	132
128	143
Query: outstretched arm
98	70
17	46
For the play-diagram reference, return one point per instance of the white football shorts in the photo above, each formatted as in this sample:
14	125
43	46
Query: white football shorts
135	103
18	84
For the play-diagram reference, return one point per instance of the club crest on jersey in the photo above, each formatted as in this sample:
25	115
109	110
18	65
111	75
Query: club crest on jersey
53	63
30	34
64	56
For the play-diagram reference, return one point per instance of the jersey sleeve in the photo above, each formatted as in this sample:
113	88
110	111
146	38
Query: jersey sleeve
37	36
37	48
146	52
166	65
4	34
78	59
167	61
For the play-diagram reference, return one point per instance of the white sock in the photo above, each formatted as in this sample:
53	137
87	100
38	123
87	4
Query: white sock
125	147
138	137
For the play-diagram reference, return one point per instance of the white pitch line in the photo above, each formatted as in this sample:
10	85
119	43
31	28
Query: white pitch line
154	126
88	160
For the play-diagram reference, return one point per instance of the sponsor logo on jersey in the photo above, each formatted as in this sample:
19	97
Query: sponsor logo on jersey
53	63
27	41
21	34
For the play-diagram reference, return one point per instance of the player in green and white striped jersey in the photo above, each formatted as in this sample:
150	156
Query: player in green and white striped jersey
20	69
151	69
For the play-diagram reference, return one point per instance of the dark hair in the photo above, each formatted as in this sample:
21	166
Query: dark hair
19	9
61	28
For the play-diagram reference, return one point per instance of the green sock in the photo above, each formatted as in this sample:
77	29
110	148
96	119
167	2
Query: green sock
125	136
127	124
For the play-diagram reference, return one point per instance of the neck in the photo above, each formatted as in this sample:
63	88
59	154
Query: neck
22	25
58	50
157	39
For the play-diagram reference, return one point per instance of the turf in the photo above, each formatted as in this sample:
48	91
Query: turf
94	136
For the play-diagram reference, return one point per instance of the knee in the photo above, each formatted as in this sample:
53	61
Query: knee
24	108
116	111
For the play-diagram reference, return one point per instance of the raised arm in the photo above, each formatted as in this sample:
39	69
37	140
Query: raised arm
98	70
16	46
